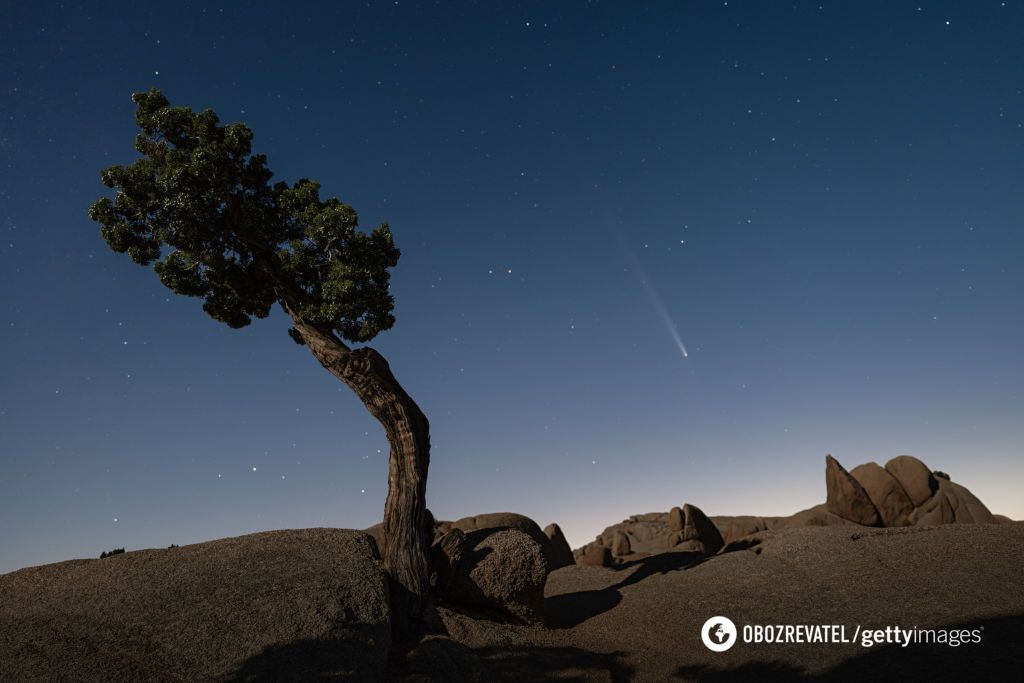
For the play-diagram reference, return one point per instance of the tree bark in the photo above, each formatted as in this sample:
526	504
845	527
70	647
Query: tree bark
406	545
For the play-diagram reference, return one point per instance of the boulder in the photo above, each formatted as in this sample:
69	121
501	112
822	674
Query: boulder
502	520
595	555
952	504
691	546
646	533
559	553
698	534
936	510
699	528
556	549
676	519
967	509
914	476
892	502
620	546
818	515
734	528
845	496
501	571
295	605
512	520
652	533
445	555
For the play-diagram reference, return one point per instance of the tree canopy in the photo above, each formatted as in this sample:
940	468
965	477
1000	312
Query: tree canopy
199	207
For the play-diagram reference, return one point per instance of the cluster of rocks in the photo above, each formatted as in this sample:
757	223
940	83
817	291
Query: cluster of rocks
905	492
495	564
551	540
685	529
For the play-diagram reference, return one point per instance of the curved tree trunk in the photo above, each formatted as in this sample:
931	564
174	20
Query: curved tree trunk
406	545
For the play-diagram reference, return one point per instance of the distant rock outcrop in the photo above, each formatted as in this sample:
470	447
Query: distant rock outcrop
698	533
736	527
967	508
559	553
819	515
903	493
907	493
620	545
890	499
278	605
915	478
594	555
845	496
676	519
685	529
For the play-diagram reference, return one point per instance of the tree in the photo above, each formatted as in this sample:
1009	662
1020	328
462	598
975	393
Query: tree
199	207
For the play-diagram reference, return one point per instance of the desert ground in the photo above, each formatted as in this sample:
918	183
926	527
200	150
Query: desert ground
514	603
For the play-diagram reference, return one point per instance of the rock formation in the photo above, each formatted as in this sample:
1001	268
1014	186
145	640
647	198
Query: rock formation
685	529
967	509
277	605
915	478
698	533
594	555
676	520
620	545
445	556
902	493
501	571
888	495
845	496
736	527
559	553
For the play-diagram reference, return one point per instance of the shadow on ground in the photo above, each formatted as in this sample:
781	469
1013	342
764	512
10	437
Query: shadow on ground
340	659
994	658
572	609
545	663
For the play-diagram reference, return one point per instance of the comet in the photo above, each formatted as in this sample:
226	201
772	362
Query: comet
655	298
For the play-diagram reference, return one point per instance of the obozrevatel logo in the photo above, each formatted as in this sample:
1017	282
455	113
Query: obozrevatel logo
718	633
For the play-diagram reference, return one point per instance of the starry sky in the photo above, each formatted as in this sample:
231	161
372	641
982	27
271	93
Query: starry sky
649	256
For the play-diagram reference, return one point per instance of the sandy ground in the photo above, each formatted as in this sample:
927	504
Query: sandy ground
642	622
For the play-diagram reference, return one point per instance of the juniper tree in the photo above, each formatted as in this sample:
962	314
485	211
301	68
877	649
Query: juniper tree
198	206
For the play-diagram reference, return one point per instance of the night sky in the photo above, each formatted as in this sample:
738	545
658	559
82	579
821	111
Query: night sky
649	256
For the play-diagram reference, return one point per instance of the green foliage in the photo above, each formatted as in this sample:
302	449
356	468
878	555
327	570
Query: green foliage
199	207
110	553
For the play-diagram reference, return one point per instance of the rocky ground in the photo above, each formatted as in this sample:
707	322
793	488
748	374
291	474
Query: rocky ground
641	621
310	605
894	546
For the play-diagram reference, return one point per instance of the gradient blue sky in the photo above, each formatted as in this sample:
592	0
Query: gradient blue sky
825	197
